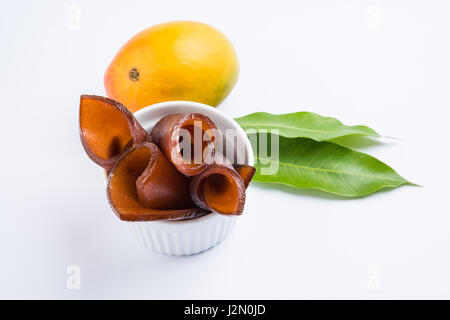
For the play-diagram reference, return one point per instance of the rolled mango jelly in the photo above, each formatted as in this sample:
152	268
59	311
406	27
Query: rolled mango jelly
144	185
168	133
106	128
219	188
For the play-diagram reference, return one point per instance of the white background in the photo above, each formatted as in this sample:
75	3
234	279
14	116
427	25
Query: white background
380	63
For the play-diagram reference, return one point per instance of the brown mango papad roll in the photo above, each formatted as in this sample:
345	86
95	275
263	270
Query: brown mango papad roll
144	185
106	127
167	134
219	188
245	171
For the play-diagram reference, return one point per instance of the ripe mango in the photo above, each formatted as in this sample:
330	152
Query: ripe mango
182	60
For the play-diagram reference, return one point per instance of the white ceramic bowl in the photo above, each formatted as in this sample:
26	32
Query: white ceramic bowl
192	236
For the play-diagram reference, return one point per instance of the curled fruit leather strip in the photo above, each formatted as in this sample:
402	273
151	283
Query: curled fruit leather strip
168	134
143	185
246	173
107	128
219	188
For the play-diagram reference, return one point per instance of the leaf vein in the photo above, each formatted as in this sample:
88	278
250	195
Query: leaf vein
253	125
330	170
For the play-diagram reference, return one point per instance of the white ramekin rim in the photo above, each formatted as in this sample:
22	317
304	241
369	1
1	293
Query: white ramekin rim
156	111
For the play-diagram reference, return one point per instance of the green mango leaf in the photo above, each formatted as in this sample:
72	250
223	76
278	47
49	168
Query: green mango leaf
302	125
306	163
